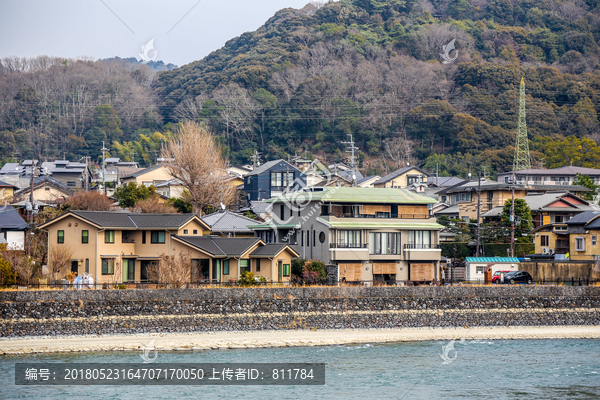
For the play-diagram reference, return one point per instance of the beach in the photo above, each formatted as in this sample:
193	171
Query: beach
282	338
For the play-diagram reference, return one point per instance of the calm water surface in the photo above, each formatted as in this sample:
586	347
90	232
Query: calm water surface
529	369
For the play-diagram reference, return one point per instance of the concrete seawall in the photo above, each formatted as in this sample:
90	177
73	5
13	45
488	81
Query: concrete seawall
52	313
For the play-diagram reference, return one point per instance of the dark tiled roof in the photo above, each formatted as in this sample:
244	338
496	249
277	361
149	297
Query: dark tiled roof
583	218
11	220
4	184
142	171
228	222
268	250
399	172
568	170
108	219
268	165
218	246
445	181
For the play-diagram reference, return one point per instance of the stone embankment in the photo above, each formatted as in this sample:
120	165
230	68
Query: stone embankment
112	312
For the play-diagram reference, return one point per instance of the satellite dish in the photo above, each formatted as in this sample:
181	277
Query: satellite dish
223	206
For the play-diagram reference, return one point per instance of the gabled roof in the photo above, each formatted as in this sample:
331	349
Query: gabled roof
494	185
272	250
172	182
541	201
445	181
367	178
584	217
4	184
10	220
143	171
219	246
358	195
126	220
226	222
493	259
270	164
568	170
10	168
44	180
399	172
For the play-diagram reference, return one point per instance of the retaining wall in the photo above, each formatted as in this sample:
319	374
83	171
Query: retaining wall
41	313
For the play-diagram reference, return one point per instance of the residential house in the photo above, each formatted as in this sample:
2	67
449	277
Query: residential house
555	176
73	174
170	189
46	189
7	191
402	178
370	234
239	170
120	247
13	228
368	181
272	179
577	237
475	266
493	194
227	224
150	176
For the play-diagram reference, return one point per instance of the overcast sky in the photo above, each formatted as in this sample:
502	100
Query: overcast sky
107	28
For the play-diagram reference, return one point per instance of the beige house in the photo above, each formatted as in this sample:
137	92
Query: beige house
119	247
45	189
149	176
402	178
6	191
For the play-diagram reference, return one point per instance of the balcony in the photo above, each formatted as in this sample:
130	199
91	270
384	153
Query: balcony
377	216
422	252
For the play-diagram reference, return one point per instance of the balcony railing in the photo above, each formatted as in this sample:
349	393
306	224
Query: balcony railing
390	216
347	246
421	246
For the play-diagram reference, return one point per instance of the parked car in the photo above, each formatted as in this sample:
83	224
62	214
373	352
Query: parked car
496	276
518	277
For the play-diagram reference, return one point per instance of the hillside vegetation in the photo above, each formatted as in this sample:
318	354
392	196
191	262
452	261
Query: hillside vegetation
307	78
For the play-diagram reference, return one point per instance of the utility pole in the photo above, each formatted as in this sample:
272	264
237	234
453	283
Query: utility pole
31	193
255	159
103	149
512	220
351	150
478	210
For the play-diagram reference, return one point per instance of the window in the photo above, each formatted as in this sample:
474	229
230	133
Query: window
560	228
109	236
384	243
71	183
61	236
479	270
314	238
302	238
244	265
380	214
258	265
108	266
419	239
282	212
157	237
506	179
348	239
580	244
87	265
225	267
85	236
322	237
286	269
282	179
558	219
544	240
594	241
463	196
143	237
185	231
195	231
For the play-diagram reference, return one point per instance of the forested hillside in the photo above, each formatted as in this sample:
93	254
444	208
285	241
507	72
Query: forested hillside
371	68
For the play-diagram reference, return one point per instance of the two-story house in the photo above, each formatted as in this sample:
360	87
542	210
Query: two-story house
150	176
402	178
555	176
119	247
370	234
272	179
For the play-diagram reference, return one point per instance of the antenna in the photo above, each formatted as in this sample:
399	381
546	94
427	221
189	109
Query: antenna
255	159
351	150
522	158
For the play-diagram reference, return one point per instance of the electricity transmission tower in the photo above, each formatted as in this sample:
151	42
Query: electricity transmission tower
522	159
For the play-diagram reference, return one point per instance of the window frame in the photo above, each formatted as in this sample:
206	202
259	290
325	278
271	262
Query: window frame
85	238
346	239
107	236
248	266
385	243
286	270
108	265
157	239
225	267
594	240
577	241
60	236
258	265
544	240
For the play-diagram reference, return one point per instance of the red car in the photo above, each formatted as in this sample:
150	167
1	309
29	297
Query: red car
496	276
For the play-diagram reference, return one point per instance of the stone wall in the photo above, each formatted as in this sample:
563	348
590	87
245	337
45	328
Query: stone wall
551	271
40	313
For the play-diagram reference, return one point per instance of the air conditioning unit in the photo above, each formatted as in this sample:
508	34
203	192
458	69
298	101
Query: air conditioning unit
551	252
545	251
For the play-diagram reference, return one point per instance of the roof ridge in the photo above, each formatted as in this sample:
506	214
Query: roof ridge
218	247
131	219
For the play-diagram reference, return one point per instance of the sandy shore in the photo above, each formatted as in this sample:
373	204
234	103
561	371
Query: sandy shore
288	338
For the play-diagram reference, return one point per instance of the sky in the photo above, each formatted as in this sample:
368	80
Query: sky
183	30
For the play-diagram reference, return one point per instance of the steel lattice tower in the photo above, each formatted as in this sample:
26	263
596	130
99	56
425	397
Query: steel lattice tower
522	159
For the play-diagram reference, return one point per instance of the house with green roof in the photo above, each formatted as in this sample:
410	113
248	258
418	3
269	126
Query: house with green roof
371	234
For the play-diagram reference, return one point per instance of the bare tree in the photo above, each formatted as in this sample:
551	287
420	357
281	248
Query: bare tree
59	259
174	271
399	149
155	205
195	159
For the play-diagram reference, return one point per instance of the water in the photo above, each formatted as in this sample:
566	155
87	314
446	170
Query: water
531	369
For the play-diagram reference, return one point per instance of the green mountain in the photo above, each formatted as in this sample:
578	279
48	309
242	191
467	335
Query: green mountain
309	78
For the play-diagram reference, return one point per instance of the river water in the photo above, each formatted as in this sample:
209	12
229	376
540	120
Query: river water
499	369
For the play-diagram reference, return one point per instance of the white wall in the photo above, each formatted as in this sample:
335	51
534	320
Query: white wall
472	274
16	240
